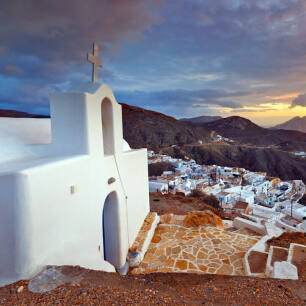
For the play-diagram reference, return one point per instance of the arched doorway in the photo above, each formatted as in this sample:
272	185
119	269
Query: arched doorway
107	127
110	226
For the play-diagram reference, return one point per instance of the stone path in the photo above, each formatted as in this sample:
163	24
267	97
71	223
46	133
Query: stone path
204	249
143	232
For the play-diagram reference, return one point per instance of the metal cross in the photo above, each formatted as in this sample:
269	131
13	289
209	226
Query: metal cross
96	62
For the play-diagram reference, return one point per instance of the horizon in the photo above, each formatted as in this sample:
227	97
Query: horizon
180	118
185	59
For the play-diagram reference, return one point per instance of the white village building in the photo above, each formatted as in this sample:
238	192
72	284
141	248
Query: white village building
79	200
155	186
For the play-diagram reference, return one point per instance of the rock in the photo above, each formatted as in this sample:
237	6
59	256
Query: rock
20	289
199	218
134	259
225	269
181	264
156	239
166	219
285	270
202	268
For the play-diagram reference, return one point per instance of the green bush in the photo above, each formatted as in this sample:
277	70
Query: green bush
157	169
205	198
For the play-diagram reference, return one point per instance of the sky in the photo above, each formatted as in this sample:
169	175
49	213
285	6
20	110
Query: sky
184	58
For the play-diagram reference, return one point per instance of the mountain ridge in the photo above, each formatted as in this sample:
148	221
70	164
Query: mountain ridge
201	119
151	129
8	113
244	131
254	147
296	123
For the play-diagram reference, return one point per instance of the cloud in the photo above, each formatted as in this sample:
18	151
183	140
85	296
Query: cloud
156	54
49	40
12	70
179	98
2	51
45	43
201	77
299	101
64	30
246	110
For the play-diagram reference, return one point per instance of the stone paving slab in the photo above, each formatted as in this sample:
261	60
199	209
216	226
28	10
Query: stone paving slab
204	249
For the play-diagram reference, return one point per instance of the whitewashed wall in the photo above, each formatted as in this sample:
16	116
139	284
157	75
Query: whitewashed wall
42	222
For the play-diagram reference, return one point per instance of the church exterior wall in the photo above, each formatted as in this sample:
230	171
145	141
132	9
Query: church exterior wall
51	207
136	181
55	227
9	230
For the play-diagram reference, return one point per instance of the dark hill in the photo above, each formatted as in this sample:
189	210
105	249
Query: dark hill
245	131
233	124
147	128
17	114
201	119
296	123
275	162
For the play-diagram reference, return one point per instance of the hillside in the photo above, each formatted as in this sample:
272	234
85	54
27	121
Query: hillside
245	131
296	123
17	114
143	127
201	119
149	129
275	162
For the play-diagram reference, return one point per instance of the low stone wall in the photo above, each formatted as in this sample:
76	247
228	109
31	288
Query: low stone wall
246	224
275	254
297	257
143	240
286	227
260	246
280	263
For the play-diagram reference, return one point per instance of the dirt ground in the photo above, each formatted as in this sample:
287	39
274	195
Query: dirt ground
257	261
181	205
100	288
279	255
284	241
286	238
300	262
88	287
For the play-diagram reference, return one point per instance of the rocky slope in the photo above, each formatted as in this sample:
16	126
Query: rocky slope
296	123
143	127
275	162
245	131
267	153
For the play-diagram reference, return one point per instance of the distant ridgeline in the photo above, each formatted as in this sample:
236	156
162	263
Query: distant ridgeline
255	148
18	114
296	123
201	119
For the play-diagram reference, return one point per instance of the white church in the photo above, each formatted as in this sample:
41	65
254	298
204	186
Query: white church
78	200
